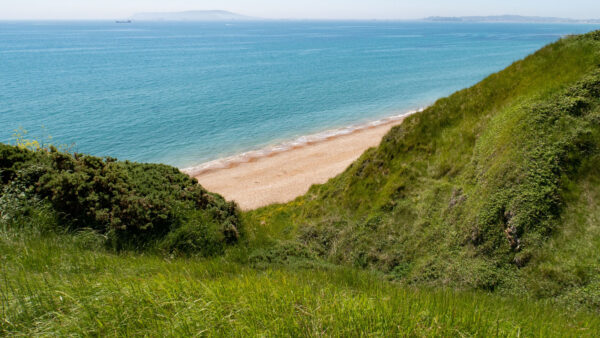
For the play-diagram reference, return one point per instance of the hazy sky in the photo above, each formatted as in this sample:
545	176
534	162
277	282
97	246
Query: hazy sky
315	9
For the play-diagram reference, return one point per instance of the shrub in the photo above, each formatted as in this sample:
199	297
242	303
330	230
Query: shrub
137	204
198	234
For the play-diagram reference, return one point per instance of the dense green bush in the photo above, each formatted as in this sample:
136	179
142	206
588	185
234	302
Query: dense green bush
11	160
198	234
135	204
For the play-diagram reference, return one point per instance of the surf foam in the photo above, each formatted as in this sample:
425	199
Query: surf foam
253	155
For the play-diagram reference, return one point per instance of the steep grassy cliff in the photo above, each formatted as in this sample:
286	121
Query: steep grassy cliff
494	187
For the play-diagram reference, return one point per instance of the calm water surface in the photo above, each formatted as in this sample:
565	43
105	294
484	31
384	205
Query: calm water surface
186	93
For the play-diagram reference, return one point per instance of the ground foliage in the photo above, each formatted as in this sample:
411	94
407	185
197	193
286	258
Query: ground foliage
135	205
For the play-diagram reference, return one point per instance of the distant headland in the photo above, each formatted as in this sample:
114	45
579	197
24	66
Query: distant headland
222	15
213	15
510	19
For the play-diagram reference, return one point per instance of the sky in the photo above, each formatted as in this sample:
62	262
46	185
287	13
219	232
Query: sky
299	9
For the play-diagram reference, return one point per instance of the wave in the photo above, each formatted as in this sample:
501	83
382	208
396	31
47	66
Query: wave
253	155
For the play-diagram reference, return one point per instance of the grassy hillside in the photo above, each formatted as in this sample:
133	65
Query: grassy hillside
491	188
56	284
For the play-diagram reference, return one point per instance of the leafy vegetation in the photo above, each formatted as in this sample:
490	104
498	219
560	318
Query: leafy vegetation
134	205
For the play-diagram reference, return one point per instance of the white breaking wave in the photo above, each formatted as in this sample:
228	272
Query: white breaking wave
232	161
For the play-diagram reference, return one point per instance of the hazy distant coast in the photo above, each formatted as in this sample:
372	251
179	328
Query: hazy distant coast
222	15
510	19
213	15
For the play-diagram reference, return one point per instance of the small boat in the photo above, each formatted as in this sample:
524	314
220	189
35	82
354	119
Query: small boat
123	21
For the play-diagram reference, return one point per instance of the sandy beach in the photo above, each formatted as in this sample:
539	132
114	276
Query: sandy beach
286	175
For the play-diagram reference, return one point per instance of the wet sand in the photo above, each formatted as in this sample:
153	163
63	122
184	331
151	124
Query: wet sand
286	175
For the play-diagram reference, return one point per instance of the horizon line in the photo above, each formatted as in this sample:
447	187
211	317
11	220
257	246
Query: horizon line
424	19
247	18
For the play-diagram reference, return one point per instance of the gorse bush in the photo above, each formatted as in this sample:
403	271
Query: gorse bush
135	205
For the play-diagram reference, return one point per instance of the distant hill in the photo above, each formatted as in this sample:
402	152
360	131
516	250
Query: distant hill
192	16
509	18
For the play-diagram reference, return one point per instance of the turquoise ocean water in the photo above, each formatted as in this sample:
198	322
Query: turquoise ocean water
188	93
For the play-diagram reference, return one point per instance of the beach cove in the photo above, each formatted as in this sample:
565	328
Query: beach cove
281	176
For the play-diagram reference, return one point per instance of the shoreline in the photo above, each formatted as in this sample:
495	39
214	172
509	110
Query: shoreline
282	172
299	142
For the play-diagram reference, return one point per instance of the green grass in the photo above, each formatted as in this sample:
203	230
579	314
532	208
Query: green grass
568	265
63	284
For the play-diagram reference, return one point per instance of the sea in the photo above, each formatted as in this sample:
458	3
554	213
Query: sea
187	94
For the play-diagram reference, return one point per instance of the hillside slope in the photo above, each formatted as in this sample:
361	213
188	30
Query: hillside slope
66	285
494	187
72	231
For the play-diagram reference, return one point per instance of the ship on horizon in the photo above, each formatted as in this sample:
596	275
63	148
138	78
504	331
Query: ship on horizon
123	21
